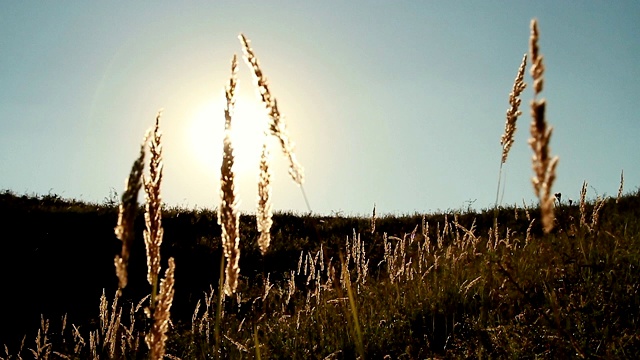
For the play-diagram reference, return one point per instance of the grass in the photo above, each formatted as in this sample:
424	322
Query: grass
549	281
451	289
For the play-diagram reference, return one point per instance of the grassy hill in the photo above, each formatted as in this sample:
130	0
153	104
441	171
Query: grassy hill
559	280
437	285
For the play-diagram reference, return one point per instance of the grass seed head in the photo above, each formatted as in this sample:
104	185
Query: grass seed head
537	67
621	186
513	112
277	126
583	204
154	232
127	213
157	336
373	219
544	165
264	201
227	214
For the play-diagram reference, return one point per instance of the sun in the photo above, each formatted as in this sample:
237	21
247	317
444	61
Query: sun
206	133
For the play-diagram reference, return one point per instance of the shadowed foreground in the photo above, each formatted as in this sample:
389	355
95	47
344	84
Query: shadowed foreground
439	285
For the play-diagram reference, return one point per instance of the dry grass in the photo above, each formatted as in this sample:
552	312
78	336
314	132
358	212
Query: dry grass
445	290
373	219
506	140
227	213
544	165
513	112
583	205
162	298
277	126
621	186
264	215
423	297
157	336
153	215
127	212
160	302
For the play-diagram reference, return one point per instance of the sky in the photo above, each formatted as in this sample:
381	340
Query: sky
399	104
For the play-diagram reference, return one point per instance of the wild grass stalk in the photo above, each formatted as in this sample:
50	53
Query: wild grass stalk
544	165
595	216
157	337
256	343
277	126
583	204
127	213
228	217
110	322
354	311
162	297
43	346
154	232
621	187
507	139
373	220
264	215
219	300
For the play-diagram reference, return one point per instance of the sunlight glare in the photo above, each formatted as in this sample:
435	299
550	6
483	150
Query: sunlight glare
206	134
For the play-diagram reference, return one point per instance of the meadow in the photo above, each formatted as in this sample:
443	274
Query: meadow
558	279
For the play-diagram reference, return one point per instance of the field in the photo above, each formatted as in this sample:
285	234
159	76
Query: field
446	285
554	280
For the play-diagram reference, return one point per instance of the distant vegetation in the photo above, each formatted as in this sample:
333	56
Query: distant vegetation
442	285
121	281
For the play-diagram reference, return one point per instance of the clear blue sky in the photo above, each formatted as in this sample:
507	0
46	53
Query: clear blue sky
397	103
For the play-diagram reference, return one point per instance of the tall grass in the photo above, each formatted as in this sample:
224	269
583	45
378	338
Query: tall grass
153	215
455	285
265	214
439	286
127	213
277	126
544	166
161	297
227	213
507	138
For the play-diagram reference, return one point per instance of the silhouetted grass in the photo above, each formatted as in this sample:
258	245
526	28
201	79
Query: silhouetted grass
574	291
458	284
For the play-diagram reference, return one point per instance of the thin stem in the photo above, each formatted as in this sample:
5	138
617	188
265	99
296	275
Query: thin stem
354	313
504	185
498	190
256	342
495	207
216	330
304	195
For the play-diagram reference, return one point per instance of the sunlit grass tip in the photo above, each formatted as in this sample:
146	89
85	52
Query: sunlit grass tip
157	337
127	213
154	232
621	188
544	165
228	217
506	140
264	214
277	126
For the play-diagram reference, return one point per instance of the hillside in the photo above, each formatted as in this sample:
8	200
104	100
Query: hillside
434	284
